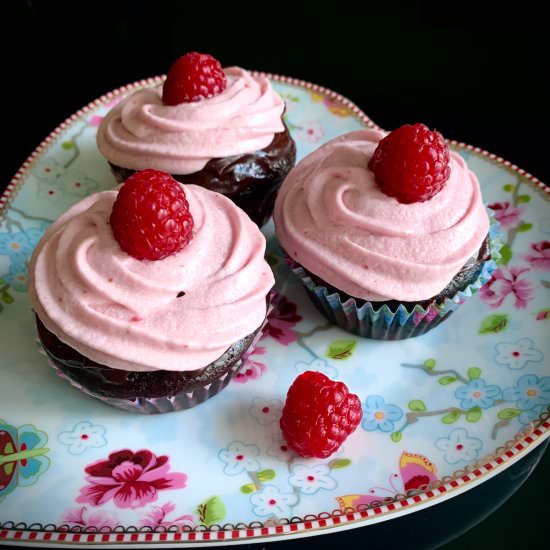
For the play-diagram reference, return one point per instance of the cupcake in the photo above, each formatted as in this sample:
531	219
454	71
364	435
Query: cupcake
148	296
218	128
388	232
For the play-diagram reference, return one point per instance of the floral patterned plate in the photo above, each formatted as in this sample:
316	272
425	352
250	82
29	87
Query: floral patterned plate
442	412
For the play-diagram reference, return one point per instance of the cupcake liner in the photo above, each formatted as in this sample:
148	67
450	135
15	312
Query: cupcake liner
155	405
380	322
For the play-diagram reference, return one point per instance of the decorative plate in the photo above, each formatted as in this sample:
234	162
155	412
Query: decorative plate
442	412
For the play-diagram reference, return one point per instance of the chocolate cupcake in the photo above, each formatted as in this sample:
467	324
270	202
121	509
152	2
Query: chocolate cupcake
218	128
386	248
149	296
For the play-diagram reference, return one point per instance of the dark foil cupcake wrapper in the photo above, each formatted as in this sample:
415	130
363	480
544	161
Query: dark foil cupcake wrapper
155	405
385	324
178	402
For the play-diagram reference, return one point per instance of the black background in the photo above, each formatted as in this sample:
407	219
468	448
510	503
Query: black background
475	72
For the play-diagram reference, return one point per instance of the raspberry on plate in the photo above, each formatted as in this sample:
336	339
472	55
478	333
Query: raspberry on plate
150	218
411	163
193	77
319	414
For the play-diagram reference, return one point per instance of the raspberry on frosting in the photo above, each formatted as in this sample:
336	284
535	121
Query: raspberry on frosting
193	77
411	163
150	217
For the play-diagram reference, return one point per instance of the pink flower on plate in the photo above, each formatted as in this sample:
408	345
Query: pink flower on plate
157	517
281	319
506	214
311	131
504	283
251	369
84	518
95	120
130	479
540	257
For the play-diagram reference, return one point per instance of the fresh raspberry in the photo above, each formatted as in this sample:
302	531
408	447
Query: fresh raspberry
411	163
193	77
150	217
318	415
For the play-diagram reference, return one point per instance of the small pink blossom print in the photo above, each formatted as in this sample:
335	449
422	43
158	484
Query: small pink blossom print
311	131
251	369
506	214
95	120
131	479
539	258
281	320
97	519
504	283
157	516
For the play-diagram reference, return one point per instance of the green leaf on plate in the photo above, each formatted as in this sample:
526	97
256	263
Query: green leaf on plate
522	199
474	373
452	417
446	380
507	414
341	349
473	414
248	488
7	298
211	511
524	226
429	363
67	145
396	436
494	323
505	254
417	405
266	475
339	463
509	187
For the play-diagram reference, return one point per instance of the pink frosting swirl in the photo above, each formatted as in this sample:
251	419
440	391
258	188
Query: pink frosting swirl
332	217
126	313
141	132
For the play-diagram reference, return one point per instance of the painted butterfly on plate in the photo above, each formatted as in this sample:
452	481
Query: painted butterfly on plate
415	472
22	458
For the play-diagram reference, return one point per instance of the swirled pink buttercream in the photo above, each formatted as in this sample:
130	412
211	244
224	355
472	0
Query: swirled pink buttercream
141	132
180	313
332	217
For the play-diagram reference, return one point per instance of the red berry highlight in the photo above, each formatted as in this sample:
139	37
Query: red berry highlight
411	163
319	414
193	77
150	217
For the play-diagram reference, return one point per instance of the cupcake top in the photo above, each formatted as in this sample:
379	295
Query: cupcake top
333	218
178	313
142	131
